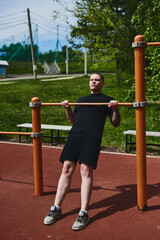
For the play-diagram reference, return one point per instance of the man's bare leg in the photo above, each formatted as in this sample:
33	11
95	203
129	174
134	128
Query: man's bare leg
63	186
86	190
64	182
86	185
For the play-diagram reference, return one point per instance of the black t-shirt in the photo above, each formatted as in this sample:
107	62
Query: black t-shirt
91	119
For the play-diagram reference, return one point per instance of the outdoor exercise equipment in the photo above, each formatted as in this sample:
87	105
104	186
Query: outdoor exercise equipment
35	104
139	105
37	151
16	133
140	46
85	104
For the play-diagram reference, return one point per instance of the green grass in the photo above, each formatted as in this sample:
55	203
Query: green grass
78	67
15	98
73	67
23	68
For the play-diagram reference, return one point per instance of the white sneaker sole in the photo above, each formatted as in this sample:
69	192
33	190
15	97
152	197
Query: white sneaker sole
51	222
80	228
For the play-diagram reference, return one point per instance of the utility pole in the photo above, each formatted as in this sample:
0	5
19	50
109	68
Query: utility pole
32	50
13	38
57	46
85	60
67	54
37	44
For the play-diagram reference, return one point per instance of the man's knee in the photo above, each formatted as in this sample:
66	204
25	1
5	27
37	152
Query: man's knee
68	168
86	170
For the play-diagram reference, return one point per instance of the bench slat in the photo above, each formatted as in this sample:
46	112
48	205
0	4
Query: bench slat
148	133
133	132
46	126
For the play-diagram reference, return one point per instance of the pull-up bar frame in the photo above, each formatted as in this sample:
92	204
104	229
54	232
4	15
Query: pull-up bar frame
85	104
153	44
37	151
140	123
140	105
16	133
140	45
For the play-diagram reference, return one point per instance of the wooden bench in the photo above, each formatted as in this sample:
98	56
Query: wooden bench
47	127
133	132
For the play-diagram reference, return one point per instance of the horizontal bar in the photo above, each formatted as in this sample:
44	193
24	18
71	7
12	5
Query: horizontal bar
85	104
153	44
15	133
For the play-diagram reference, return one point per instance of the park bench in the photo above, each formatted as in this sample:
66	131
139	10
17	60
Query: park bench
52	128
129	134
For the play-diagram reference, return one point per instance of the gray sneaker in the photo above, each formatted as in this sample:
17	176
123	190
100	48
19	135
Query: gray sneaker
81	221
53	215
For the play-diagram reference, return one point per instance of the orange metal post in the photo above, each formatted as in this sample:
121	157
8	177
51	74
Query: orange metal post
37	148
140	124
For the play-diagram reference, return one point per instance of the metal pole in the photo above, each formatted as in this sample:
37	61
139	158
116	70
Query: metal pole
153	44
85	104
67	54
37	148
57	46
140	123
32	49
85	59
85	62
16	133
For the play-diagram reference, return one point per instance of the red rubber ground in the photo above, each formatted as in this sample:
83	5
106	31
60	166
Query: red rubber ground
113	211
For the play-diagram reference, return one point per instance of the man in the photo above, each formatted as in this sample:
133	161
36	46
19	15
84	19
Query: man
83	144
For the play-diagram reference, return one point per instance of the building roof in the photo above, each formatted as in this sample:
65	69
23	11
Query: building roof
4	63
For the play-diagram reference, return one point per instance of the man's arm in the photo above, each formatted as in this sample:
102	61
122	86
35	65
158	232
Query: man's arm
115	117
69	113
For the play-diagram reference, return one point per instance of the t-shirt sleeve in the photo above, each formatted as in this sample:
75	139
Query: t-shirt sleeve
76	107
75	110
110	111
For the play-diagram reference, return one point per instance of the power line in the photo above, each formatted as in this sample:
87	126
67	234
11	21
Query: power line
45	29
13	25
48	21
16	21
38	21
46	26
50	31
42	18
12	14
20	18
10	19
42	21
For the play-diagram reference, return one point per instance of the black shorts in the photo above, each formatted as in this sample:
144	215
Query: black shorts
82	147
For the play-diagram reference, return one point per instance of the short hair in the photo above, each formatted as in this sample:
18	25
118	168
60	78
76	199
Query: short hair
98	73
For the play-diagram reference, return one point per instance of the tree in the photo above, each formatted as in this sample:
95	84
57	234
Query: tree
18	52
104	26
146	22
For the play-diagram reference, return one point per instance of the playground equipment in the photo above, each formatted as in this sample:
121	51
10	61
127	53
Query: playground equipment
85	104
139	104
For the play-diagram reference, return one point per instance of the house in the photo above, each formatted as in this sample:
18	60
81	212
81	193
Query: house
3	68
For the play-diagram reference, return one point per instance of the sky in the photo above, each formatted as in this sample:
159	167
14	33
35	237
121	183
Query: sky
14	23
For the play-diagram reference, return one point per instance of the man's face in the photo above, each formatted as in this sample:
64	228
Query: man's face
96	83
